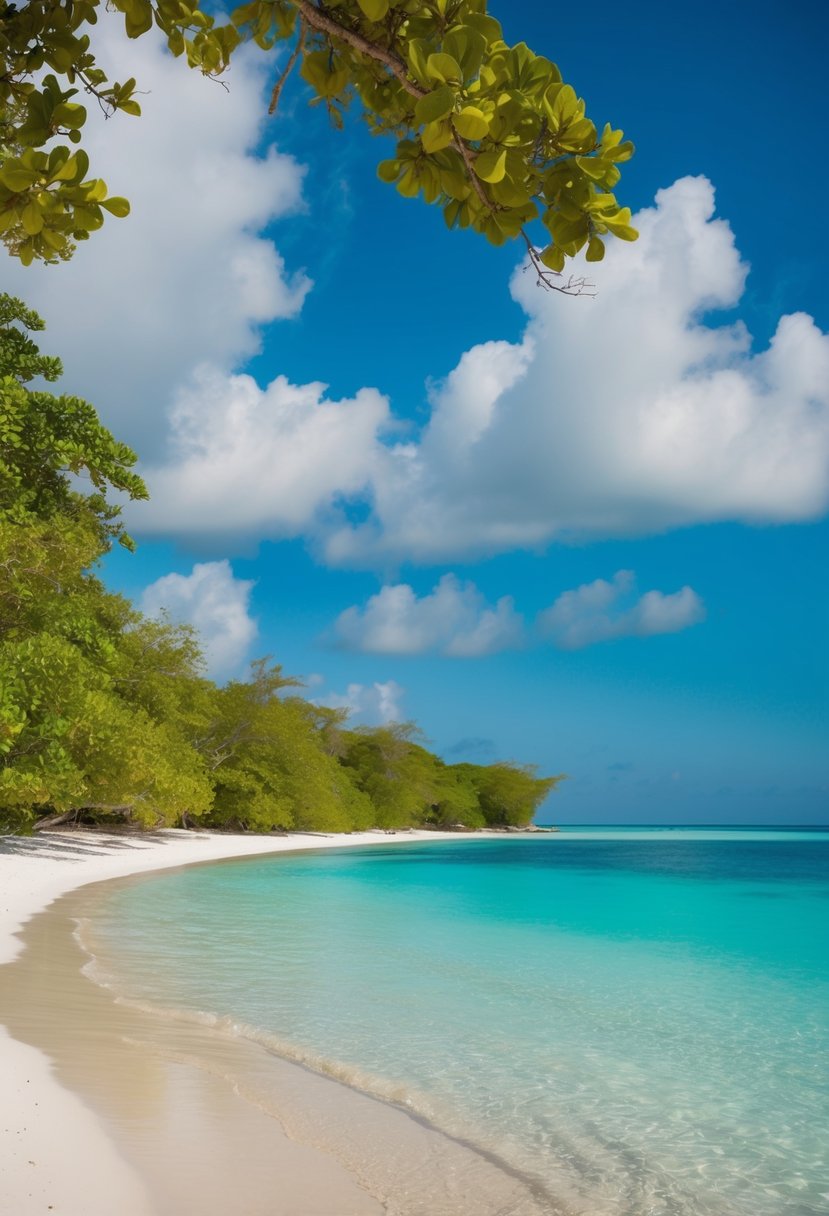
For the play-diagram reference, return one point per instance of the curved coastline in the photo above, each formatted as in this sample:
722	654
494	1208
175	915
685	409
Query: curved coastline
301	1139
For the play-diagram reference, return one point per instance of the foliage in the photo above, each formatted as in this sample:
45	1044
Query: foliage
43	438
73	734
104	713
508	794
269	763
73	730
487	131
395	773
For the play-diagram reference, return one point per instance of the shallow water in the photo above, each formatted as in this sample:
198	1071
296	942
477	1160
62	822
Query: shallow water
638	1019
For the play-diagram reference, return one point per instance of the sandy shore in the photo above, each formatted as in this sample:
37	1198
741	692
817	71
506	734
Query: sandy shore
63	1153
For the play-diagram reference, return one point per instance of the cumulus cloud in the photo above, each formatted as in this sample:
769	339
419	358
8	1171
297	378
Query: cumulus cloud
189	275
242	459
453	620
602	610
373	704
623	415
216	604
626	414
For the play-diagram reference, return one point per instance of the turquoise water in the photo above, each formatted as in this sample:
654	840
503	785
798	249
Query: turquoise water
639	1019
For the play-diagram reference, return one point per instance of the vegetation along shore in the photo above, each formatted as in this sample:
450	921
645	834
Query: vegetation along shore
107	716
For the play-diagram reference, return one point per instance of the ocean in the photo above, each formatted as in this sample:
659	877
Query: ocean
637	1020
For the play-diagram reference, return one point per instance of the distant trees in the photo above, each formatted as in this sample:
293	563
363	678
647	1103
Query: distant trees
106	714
506	794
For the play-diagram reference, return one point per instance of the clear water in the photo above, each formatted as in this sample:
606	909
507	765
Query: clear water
639	1019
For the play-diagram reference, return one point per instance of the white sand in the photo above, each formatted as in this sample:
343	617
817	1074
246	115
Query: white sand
55	1155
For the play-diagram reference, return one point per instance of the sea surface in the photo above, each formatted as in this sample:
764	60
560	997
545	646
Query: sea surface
637	1019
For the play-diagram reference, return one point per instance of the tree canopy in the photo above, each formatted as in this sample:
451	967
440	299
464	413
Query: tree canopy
107	714
489	132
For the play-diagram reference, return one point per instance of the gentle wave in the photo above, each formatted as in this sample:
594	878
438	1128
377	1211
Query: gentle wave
414	1103
394	1092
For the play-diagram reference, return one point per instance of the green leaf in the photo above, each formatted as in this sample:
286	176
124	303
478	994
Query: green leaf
70	115
468	47
601	202
593	166
622	153
567	231
435	105
418	55
455	184
486	25
408	184
471	123
17	180
561	105
82	161
580	135
553	258
451	213
388	170
67	172
510	194
436	135
118	207
442	67
139	19
491	166
595	249
32	218
55	240
619	218
375	10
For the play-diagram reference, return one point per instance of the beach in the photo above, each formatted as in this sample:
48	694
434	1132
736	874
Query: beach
604	1021
97	1119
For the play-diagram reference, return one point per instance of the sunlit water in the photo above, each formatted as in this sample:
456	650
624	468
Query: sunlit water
639	1019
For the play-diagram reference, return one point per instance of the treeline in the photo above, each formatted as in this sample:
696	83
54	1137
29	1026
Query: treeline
106	714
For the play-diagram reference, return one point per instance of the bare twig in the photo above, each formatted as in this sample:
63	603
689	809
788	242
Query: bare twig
289	66
546	277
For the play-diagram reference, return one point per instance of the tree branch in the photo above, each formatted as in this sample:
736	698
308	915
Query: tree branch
465	152
289	67
319	20
325	24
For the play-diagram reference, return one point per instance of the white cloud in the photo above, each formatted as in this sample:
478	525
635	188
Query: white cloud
626	414
453	620
599	611
377	703
248	460
621	415
188	276
216	604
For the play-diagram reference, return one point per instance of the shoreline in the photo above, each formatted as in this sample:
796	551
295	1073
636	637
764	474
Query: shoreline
62	1153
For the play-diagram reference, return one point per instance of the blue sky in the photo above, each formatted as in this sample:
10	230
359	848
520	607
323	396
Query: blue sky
611	563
